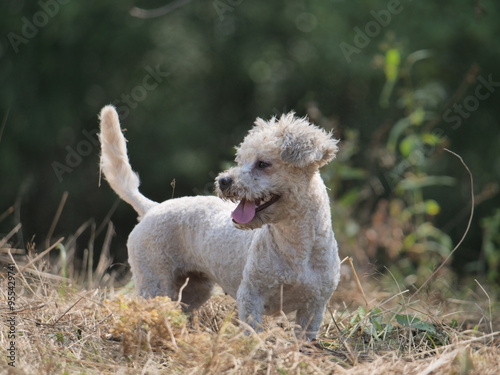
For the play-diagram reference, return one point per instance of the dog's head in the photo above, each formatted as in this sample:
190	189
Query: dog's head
276	162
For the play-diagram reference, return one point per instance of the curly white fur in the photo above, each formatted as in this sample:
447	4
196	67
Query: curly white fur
115	164
268	243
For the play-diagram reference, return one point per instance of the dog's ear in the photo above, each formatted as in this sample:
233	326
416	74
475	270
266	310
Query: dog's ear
305	144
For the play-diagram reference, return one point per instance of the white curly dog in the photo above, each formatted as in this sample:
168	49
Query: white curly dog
268	242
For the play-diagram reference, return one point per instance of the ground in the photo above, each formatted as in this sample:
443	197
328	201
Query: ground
56	324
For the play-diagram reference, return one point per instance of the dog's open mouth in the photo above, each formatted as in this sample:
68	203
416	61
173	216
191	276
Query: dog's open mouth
246	210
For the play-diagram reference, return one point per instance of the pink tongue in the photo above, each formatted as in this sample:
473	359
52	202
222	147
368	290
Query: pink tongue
245	212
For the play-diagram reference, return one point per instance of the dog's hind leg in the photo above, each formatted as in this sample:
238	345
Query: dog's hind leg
150	283
152	269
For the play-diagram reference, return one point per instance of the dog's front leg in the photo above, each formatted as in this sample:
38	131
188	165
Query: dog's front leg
308	320
250	306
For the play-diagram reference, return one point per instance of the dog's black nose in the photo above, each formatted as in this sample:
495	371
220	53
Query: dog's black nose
225	183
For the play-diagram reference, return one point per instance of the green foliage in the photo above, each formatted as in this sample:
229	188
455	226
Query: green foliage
420	245
377	325
411	144
392	330
491	245
414	322
391	70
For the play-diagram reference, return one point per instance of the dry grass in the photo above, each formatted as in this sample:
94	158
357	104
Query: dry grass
63	328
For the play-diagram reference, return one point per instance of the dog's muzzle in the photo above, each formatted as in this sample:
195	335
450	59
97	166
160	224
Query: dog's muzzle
246	209
224	183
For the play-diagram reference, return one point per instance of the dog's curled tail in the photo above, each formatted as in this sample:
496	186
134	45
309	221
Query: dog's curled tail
115	164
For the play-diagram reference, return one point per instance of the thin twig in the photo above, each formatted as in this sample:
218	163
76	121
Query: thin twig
104	258
350	354
392	297
466	230
107	217
4	240
4	122
42	254
12	250
489	305
173	188
181	290
356	278
438	350
6	213
171	333
28	308
67	310
56	218
20	273
47	275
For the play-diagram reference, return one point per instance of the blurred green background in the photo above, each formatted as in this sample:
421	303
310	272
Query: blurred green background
397	81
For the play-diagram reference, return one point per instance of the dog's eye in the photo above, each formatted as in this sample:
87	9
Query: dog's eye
262	165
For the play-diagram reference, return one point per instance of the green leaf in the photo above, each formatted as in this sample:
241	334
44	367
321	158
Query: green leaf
349	173
408	144
431	139
432	207
396	131
413	322
409	240
360	314
350	197
392	60
418	182
417	117
419	55
391	69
